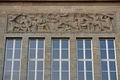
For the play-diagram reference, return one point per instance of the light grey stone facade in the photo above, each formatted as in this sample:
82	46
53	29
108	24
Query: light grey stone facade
29	8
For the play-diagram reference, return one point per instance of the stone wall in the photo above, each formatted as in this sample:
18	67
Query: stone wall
11	12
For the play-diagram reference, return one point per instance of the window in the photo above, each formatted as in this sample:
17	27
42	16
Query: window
12	59
84	59
108	62
36	59
60	59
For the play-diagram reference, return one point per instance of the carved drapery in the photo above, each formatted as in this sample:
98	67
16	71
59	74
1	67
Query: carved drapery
60	22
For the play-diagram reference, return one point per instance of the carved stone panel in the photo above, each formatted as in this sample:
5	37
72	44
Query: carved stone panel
60	22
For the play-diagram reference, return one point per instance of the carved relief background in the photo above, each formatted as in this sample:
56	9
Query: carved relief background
60	22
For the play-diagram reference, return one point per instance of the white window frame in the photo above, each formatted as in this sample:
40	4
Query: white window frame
108	60
13	60
60	58
84	59
35	60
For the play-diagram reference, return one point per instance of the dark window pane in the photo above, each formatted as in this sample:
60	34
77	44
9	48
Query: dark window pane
80	75
7	76
8	65
80	44
55	43
65	76
32	43
104	76
18	43
10	43
110	44
104	65
40	43
102	44
31	76
113	76
17	54
89	65
88	54
111	54
55	75
39	65
9	54
80	65
65	65
112	66
31	65
89	76
39	75
16	65
32	53
55	65
88	44
64	54
16	76
80	54
64	43
103	54
55	54
40	54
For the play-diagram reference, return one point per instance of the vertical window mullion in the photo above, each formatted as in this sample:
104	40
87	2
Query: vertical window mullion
60	72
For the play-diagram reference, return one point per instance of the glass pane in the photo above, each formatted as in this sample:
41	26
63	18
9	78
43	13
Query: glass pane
17	54
15	75
39	65
55	54
104	76
39	75
16	65
110	44
55	75
32	43
111	54
40	43
104	65
88	44
10	43
64	54
7	76
88	54
80	44
64	43
31	65
55	65
112	66
8	65
103	54
65	65
80	75
80	54
32	53
89	76
80	65
31	76
55	43
18	43
40	54
89	65
65	76
113	76
9	54
102	44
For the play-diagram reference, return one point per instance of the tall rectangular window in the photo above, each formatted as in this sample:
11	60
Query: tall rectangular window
60	59
84	59
12	59
108	59
36	59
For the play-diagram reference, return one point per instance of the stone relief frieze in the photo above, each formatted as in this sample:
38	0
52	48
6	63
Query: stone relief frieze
60	22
